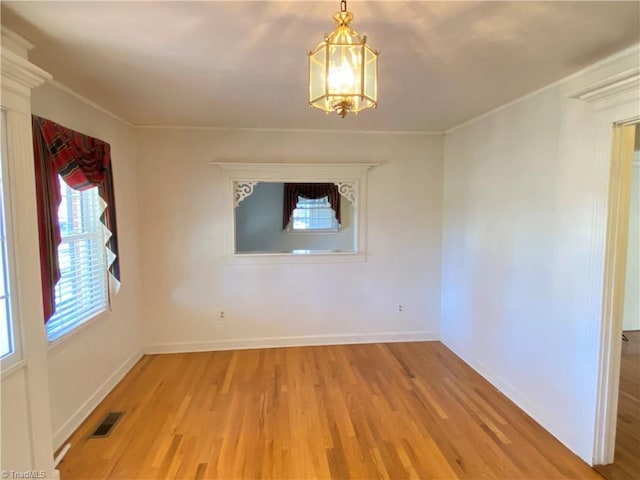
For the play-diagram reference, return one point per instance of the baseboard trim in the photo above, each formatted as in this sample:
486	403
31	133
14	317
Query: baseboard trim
92	402
293	341
514	394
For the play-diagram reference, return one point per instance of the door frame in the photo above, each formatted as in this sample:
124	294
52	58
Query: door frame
613	95
622	147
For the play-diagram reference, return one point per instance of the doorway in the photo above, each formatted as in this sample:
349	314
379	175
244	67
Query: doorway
624	300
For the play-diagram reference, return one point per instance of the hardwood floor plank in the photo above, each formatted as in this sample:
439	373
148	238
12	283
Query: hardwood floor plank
626	464
201	470
389	411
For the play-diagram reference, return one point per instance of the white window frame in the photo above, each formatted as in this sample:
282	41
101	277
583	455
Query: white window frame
16	356
90	315
240	179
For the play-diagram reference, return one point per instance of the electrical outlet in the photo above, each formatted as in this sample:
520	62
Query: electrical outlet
221	315
400	308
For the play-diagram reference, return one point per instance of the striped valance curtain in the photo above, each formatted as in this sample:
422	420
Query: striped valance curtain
82	162
311	191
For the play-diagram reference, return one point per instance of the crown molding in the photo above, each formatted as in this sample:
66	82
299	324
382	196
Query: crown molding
20	70
300	130
63	88
16	43
621	88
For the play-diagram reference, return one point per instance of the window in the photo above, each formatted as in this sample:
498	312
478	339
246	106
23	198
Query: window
82	292
314	215
243	227
9	345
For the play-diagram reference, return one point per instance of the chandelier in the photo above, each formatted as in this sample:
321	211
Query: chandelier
343	70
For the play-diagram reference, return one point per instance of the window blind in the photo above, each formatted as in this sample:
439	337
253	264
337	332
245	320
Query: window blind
314	214
81	292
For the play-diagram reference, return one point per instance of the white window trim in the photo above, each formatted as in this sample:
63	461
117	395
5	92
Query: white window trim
352	174
308	233
11	361
80	329
12	367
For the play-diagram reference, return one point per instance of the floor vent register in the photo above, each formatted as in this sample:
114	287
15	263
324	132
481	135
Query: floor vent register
105	427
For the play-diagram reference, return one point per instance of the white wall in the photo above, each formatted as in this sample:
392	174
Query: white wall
631	318
186	280
259	225
525	197
84	366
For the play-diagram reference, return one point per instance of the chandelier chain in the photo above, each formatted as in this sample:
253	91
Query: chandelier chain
343	5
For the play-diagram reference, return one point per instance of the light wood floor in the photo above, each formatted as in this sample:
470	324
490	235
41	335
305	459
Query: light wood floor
404	410
626	465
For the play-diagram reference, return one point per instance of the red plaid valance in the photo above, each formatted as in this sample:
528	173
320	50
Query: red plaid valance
82	162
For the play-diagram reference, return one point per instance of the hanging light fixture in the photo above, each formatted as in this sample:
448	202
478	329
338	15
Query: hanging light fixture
343	70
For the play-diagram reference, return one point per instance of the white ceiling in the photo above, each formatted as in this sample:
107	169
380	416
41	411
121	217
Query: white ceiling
244	64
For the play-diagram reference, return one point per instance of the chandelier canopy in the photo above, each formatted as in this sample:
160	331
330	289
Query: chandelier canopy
343	70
